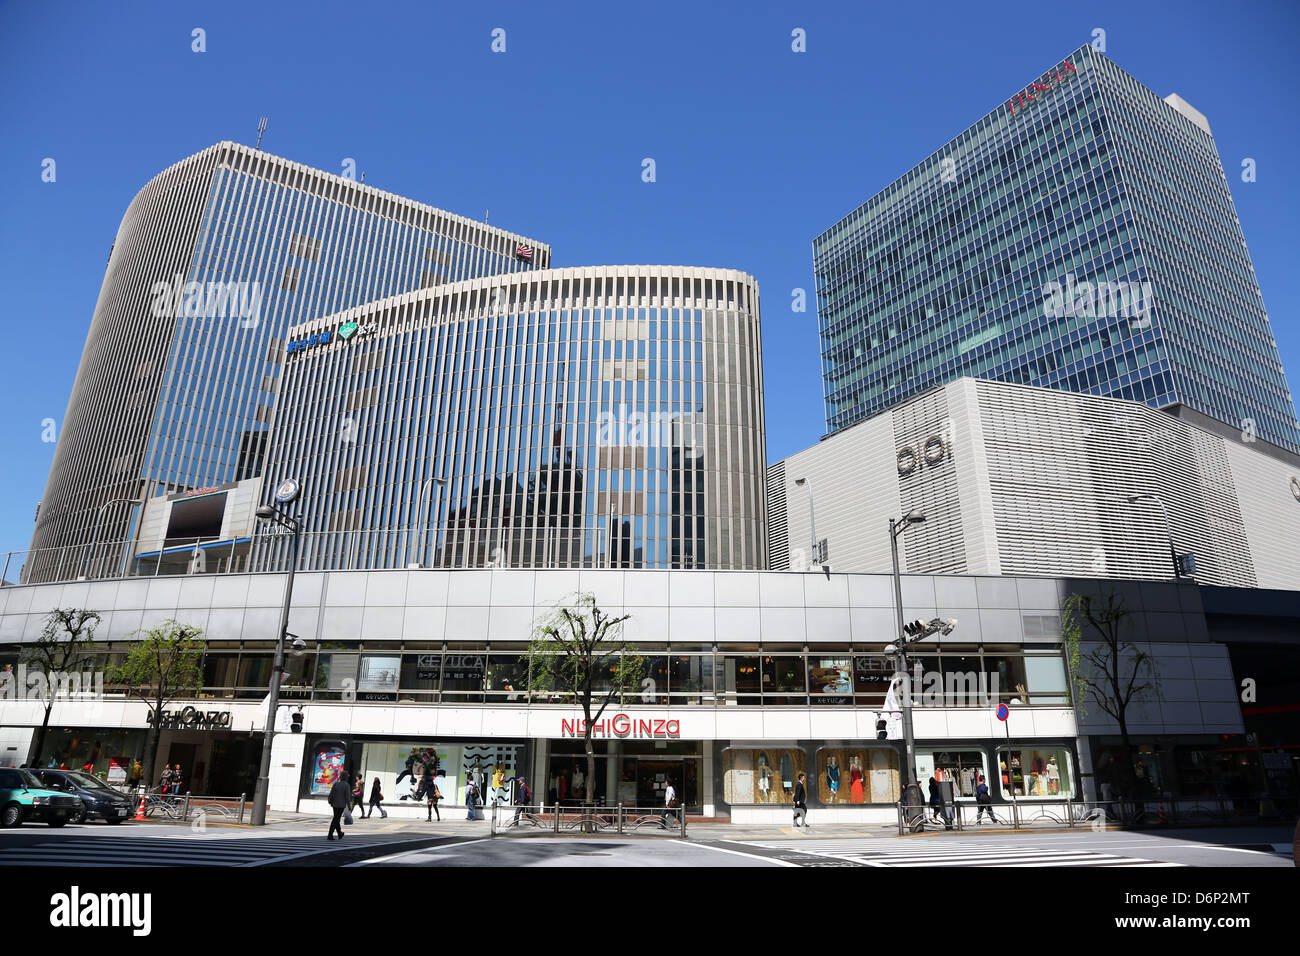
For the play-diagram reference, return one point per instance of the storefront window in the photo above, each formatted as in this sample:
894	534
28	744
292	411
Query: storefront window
98	751
399	765
689	677
377	677
254	675
830	679
1148	773
760	776
962	768
462	676
783	680
1035	773
220	673
1045	680
654	682
507	678
1010	671
336	673
742	679
871	676
853	775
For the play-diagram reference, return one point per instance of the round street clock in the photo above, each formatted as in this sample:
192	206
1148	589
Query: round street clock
287	491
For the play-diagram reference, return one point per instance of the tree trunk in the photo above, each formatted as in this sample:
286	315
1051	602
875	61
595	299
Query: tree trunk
589	819
34	759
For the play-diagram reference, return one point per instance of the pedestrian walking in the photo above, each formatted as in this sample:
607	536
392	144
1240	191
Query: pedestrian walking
165	781
471	798
936	802
523	799
670	804
984	801
177	779
377	800
340	799
801	801
358	795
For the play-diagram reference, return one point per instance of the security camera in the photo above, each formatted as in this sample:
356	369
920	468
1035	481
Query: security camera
299	644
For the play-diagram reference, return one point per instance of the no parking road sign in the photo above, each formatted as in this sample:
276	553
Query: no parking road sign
1003	712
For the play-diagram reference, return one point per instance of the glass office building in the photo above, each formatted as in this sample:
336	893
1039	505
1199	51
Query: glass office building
1080	236
607	416
214	260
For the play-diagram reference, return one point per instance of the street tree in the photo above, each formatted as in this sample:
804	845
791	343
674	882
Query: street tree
577	652
164	666
60	654
1106	667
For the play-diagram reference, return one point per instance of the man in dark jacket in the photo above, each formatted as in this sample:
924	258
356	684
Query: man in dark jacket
984	801
801	802
339	799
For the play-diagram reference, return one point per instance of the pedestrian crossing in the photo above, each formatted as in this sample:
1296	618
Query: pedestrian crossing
917	853
162	851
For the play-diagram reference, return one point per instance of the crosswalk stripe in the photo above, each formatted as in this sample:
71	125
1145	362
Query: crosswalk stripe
885	853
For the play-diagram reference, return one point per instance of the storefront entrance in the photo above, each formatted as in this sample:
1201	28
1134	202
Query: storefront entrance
652	776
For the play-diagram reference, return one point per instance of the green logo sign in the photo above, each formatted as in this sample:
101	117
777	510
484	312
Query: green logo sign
347	330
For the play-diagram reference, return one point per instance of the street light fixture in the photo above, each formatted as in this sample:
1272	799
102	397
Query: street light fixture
815	555
1179	570
424	527
94	541
896	527
285	494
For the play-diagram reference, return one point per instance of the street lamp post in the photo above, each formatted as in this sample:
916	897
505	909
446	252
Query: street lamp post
424	526
285	494
1169	528
897	527
99	519
815	554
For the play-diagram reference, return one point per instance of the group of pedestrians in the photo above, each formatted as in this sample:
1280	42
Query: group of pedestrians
348	793
171	780
939	811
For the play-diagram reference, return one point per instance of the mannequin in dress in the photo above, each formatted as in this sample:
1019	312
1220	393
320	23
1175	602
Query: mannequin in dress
579	782
1053	777
764	778
856	793
833	776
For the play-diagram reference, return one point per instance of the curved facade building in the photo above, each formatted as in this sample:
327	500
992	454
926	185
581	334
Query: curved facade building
214	260
605	416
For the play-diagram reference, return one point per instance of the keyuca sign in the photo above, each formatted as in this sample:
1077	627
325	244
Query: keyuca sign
1045	84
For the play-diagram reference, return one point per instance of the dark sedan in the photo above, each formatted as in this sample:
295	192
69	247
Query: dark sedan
98	799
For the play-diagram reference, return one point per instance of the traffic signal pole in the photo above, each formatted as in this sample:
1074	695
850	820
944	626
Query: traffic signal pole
909	768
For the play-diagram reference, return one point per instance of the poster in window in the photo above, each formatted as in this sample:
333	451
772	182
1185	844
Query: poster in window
326	768
379	673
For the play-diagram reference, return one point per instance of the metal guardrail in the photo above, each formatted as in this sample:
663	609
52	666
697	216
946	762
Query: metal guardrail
1156	811
184	807
619	819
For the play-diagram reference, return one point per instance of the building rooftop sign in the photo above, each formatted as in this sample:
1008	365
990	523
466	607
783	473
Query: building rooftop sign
1045	84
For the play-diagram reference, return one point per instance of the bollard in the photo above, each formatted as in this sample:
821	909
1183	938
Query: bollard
241	808
185	808
620	818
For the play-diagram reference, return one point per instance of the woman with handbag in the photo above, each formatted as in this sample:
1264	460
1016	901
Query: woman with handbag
358	795
377	800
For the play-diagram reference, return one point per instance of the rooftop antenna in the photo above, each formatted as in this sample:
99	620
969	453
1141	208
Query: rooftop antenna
363	177
486	214
261	128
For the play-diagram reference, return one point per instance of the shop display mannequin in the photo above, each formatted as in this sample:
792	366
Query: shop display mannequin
833	776
1053	777
856	793
579	783
764	778
787	773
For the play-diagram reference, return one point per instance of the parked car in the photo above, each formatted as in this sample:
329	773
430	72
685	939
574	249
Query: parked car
98	799
23	798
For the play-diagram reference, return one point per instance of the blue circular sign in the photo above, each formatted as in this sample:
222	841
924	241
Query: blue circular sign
1003	712
287	491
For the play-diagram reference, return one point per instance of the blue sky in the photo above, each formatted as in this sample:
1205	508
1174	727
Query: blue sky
757	148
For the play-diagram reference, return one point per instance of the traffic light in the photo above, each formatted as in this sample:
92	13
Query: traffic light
295	722
914	629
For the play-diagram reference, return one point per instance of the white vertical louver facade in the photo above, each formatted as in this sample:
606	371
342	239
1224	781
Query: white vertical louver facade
176	385
1027	480
606	416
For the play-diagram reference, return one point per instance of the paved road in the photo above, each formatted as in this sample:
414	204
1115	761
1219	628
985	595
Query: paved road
1127	849
297	843
576	851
